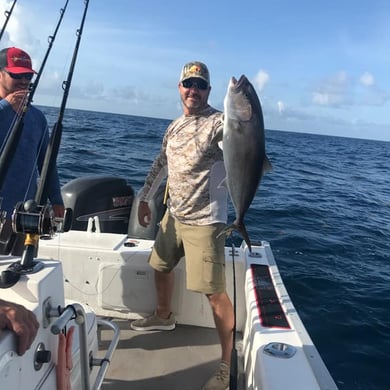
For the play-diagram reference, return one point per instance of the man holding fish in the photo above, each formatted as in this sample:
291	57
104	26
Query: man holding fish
195	221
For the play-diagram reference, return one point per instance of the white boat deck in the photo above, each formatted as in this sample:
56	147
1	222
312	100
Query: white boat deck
113	279
182	359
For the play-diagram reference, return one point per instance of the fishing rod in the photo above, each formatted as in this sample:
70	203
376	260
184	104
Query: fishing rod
50	39
233	376
13	139
55	139
38	207
7	16
27	222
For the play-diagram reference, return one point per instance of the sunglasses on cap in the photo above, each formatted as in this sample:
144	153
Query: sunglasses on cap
19	76
195	82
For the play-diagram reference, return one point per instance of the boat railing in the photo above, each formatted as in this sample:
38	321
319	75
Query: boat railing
104	362
77	313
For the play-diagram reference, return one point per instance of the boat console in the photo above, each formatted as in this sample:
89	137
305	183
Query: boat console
38	285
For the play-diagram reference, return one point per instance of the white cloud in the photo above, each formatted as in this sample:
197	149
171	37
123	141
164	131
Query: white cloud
367	79
320	98
333	91
18	33
261	79
281	106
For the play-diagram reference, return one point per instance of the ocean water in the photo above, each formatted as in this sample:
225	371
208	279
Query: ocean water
325	209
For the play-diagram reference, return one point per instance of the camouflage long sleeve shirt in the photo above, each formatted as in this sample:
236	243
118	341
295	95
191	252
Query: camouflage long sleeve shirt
194	165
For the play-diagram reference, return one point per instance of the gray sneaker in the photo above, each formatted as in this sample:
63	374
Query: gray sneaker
154	322
221	378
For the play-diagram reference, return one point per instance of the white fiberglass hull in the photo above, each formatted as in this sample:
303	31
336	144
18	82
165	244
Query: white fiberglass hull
110	273
42	292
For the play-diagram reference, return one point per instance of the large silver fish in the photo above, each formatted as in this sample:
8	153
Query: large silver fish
243	149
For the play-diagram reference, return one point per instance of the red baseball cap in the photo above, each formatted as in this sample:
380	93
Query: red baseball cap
15	60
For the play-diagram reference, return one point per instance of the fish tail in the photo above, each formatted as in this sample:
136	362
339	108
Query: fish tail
267	166
242	229
227	230
239	228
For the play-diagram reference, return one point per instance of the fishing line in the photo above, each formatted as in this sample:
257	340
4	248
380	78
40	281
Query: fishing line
30	182
7	16
11	276
52	149
55	139
41	195
14	119
50	39
233	357
9	148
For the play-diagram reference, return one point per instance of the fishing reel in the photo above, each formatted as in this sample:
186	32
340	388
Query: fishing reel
34	221
30	218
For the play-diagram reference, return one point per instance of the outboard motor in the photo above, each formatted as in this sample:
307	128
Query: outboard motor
157	208
108	197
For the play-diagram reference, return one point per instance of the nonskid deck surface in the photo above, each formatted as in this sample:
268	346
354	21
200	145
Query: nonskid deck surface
182	359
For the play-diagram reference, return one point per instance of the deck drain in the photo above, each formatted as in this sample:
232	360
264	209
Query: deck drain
280	350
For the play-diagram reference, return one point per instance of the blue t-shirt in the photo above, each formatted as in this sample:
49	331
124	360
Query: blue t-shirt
20	182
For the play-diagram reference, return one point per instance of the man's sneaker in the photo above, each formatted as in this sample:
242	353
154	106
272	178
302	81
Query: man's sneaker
220	379
154	322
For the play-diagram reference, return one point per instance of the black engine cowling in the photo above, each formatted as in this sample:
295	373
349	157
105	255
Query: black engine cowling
108	197
112	199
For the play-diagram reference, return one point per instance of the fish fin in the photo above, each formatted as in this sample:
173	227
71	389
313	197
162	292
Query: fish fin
267	166
218	136
223	184
241	229
227	231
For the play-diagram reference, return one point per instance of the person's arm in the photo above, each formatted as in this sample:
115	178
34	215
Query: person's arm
156	175
21	321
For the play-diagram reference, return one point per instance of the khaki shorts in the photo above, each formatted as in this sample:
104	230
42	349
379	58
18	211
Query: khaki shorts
204	252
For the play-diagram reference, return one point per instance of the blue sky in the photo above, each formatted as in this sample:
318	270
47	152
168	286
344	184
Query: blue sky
318	66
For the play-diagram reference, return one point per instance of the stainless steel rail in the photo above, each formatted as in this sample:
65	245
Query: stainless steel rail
76	311
104	363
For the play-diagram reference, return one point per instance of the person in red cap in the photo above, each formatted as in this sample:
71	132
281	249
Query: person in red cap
20	182
196	214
